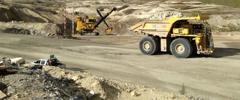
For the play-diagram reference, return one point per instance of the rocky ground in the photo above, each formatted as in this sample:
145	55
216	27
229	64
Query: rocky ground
32	17
55	83
118	58
115	57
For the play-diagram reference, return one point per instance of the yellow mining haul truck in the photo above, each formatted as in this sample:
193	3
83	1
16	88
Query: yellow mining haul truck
181	36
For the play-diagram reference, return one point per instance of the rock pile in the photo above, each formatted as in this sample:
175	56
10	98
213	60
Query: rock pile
94	87
225	23
8	65
39	29
55	83
31	17
29	11
162	15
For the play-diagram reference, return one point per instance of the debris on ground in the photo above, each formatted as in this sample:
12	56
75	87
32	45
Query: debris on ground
52	61
56	83
8	65
162	15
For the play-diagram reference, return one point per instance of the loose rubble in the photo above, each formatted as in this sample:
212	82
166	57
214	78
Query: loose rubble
51	82
38	29
31	17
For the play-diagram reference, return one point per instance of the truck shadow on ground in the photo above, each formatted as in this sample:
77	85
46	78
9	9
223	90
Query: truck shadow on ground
221	53
225	52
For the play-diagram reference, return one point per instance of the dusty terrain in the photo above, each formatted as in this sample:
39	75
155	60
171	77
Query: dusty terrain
117	57
30	17
52	83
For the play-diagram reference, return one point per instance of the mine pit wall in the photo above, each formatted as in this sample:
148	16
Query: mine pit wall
31	17
39	29
132	12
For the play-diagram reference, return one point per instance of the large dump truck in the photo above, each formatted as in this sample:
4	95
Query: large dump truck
182	37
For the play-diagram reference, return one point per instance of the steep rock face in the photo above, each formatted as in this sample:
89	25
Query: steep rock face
7	14
39	29
32	17
28	15
29	11
20	14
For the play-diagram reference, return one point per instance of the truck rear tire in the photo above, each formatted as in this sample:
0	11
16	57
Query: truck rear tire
149	45
181	48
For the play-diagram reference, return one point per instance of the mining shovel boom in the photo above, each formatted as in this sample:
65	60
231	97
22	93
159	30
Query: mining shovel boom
89	25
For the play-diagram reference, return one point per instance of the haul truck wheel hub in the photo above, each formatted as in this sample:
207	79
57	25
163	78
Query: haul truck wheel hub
180	48
147	46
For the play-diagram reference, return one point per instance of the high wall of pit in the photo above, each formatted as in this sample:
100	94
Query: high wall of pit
35	17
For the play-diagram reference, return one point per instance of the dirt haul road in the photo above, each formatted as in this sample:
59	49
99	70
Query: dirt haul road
118	57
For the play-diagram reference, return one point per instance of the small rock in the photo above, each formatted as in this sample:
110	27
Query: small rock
10	90
52	95
2	95
95	83
76	77
91	93
134	93
17	96
27	65
128	90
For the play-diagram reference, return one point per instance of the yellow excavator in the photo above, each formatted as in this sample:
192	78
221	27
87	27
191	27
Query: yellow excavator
180	36
88	25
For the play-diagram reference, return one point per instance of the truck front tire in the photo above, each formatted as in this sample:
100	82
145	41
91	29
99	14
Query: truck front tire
181	48
149	45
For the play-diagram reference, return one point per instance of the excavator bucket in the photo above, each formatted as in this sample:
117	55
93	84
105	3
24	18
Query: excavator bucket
108	31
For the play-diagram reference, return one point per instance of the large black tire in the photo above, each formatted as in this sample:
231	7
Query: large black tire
149	45
181	48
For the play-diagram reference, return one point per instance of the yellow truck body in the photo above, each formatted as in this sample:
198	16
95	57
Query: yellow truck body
194	33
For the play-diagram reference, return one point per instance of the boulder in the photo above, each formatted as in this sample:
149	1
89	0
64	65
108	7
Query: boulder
18	61
2	95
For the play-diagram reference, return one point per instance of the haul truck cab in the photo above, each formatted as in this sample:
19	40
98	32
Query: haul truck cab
180	36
